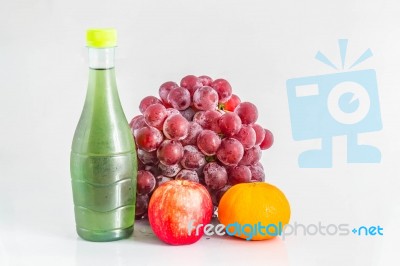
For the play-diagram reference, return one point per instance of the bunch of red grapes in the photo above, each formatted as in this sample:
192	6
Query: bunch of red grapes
197	131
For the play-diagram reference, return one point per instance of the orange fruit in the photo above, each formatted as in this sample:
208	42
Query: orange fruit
254	211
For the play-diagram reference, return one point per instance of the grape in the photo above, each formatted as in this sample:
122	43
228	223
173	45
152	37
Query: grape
155	115
223	88
260	134
192	83
190	148
259	164
140	165
148	158
215	175
205	98
145	182
170	152
211	120
229	168
141	206
268	140
188	113
199	117
246	136
208	119
219	193
200	173
148	138
257	173
185	174
251	156
169	170
239	174
146	102
137	122
208	142
172	111
164	90
192	158
230	152
153	169
230	124
206	80
231	104
198	131
176	127
162	179
193	132
179	98
247	112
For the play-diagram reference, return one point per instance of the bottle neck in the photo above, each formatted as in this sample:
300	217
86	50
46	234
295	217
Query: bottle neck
102	86
101	58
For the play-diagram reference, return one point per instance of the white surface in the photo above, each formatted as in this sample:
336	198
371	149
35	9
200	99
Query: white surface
257	46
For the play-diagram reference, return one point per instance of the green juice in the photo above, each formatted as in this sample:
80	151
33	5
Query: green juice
103	163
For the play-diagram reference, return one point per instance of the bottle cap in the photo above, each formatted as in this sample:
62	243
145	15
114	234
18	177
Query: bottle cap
101	38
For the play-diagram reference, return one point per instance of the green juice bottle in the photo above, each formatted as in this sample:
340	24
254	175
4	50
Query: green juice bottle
103	156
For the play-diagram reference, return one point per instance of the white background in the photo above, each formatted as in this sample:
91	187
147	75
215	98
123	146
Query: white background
257	46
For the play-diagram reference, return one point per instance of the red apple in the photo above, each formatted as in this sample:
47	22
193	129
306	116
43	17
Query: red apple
176	208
